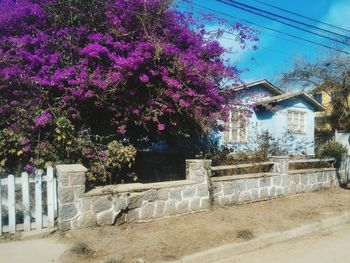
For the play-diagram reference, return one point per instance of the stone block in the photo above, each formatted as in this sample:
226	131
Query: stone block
170	208
227	188
103	203
65	225
200	176
189	192
224	200
204	203
217	188
75	223
245	197
255	194
175	194
202	190
279	191
304	179
296	178
87	220
120	203
79	191
240	185
300	188
312	179
235	198
106	218
77	179
63	179
159	209
195	204
293	188
135	200
163	194
252	183
182	207
276	180
265	182
286	190
273	191
85	204
147	210
150	195
133	215
264	193
65	195
286	179
67	211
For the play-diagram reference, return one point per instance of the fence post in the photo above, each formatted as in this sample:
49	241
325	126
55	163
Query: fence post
71	188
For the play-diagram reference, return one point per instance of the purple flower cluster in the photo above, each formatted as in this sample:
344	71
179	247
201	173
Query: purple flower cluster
43	119
154	76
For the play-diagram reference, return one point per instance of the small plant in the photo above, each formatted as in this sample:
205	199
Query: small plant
245	234
332	149
81	249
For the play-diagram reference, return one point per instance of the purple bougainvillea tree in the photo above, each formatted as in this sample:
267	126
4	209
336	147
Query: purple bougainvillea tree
77	76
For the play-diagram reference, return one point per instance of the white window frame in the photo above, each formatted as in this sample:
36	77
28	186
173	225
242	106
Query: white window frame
300	127
236	129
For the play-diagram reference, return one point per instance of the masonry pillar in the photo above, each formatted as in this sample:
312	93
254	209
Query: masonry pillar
71	188
342	169
198	170
280	165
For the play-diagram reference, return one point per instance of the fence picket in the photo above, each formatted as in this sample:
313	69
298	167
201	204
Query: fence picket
0	207
55	196
26	204
38	201
11	203
50	197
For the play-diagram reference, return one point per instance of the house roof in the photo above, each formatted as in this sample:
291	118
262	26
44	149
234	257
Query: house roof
263	82
318	106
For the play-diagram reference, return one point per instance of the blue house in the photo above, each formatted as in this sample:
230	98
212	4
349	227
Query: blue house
262	107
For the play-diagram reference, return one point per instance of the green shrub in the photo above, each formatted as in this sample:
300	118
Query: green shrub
332	149
81	249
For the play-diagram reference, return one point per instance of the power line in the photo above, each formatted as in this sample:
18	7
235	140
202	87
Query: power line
271	29
201	7
303	16
289	19
239	6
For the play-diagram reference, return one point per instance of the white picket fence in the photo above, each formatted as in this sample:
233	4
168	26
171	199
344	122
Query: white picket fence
42	220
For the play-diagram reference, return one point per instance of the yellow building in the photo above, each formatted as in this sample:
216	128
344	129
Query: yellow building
323	118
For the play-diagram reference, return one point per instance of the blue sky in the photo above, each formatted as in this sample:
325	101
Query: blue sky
276	55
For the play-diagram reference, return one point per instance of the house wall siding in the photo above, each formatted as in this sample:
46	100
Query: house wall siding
275	122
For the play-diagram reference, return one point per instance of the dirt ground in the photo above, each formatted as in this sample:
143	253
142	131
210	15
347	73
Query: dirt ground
171	238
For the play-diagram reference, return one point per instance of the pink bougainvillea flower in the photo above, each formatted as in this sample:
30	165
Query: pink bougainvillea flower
161	127
43	119
144	78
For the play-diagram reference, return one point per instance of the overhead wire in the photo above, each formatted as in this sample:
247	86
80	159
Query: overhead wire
267	15
303	16
270	28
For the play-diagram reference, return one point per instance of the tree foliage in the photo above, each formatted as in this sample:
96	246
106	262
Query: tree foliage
330	74
76	75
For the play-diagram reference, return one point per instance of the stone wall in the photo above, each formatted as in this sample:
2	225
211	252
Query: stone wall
230	190
138	202
131	202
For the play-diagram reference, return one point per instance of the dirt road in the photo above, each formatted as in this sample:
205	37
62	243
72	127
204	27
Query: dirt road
31	251
172	238
331	245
